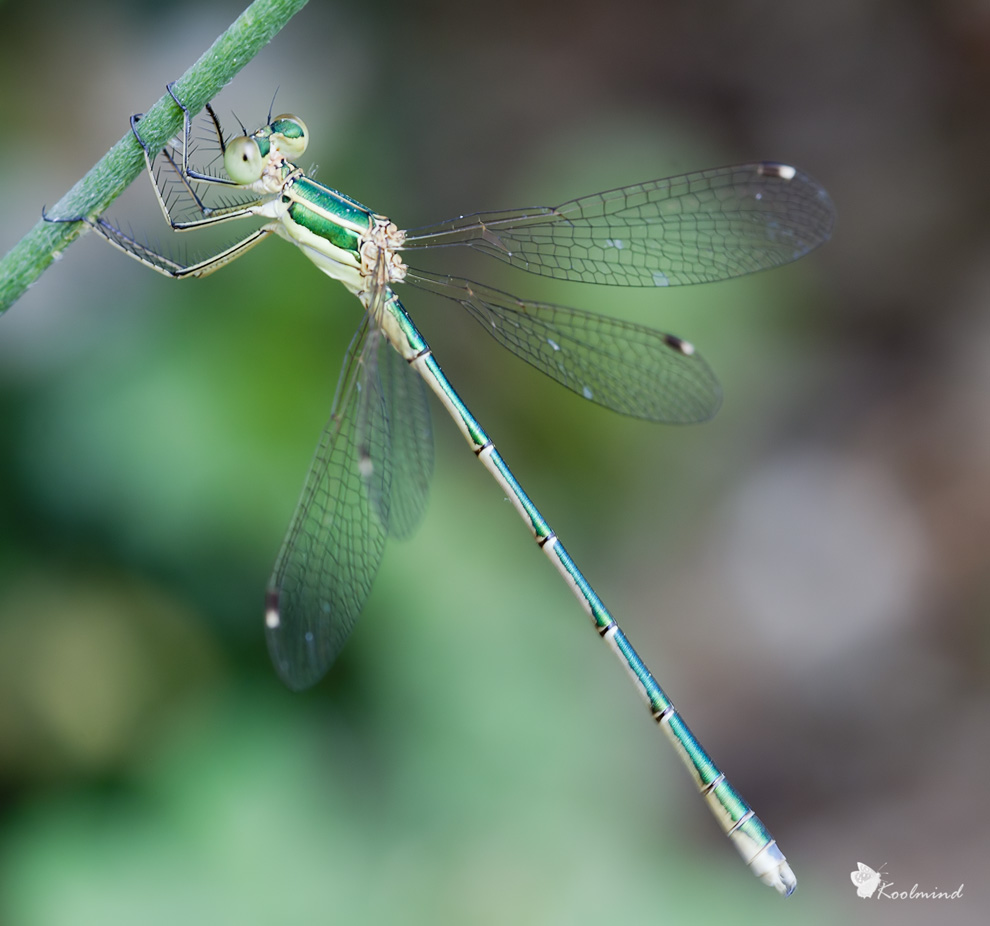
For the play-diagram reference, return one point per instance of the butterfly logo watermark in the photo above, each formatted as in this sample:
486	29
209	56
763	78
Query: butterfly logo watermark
866	880
870	885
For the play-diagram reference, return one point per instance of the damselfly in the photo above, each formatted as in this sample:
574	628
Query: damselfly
370	475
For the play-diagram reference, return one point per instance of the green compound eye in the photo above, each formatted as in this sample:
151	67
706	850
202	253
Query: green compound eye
289	135
242	160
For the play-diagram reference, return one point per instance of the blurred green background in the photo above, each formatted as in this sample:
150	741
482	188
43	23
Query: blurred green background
808	574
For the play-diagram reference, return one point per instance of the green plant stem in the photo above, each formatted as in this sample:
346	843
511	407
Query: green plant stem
108	178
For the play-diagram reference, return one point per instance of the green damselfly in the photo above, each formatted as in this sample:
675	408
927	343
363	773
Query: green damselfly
370	475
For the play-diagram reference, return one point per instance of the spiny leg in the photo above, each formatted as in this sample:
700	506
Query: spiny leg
187	133
161	262
187	177
172	268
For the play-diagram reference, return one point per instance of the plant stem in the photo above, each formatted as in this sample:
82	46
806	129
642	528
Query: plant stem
108	178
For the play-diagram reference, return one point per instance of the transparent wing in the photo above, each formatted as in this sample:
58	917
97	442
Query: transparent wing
408	410
369	477
628	368
694	228
337	536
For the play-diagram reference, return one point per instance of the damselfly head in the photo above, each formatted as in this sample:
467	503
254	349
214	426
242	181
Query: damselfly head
244	157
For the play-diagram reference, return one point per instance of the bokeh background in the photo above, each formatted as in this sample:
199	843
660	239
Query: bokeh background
808	574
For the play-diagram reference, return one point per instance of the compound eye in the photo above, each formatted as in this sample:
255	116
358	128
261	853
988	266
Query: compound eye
242	160
290	134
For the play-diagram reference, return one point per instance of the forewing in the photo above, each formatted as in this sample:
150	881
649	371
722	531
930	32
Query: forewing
698	227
